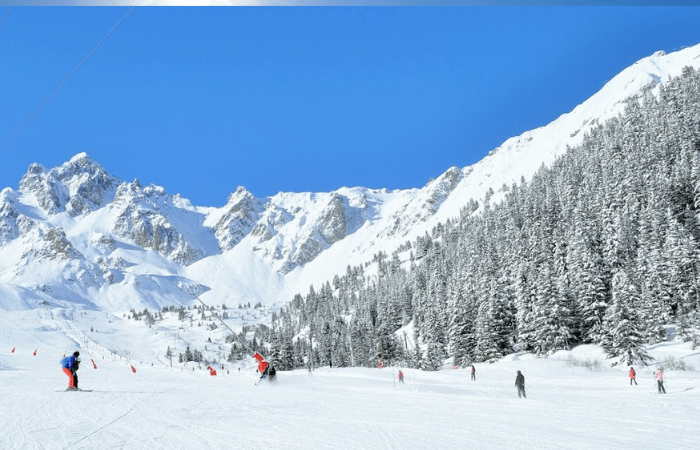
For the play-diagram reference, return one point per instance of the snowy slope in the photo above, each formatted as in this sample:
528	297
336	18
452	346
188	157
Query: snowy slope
159	407
77	235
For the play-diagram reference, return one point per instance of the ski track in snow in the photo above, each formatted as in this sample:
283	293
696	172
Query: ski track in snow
340	408
159	407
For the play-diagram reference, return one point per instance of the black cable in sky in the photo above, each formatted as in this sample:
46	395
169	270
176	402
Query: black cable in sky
64	81
6	14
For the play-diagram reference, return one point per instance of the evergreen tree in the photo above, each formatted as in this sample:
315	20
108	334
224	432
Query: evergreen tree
624	339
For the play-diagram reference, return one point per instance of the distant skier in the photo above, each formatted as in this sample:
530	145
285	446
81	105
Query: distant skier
70	364
633	376
520	384
473	373
660	381
272	373
400	377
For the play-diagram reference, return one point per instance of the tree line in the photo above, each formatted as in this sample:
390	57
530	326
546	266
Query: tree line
601	248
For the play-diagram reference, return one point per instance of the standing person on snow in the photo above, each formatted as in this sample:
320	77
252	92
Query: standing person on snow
633	376
70	365
660	380
520	384
400	376
473	373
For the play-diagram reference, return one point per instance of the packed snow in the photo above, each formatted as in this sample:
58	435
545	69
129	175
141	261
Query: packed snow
575	400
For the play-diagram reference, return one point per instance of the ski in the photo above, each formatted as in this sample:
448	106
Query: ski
75	390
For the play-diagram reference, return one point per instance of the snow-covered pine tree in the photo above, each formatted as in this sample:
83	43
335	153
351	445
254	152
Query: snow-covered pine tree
432	360
623	338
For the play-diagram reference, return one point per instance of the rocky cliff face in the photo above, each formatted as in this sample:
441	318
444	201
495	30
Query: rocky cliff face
142	218
238	220
54	245
76	187
426	203
12	223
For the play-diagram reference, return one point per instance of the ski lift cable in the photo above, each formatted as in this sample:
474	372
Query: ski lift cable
241	341
65	79
668	360
6	14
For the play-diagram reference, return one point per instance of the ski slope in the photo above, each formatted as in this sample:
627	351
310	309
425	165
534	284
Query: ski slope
158	407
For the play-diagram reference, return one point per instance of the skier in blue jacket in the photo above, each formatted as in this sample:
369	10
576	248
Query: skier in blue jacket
70	365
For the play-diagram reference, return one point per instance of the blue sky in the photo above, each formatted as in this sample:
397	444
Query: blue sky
201	100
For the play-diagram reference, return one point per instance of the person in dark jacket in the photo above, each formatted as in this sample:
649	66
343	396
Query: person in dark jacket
473	373
76	366
520	384
70	364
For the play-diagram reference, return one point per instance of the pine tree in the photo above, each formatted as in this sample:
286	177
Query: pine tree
431	360
624	339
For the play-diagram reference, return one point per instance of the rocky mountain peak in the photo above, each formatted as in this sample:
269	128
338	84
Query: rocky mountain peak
76	187
241	214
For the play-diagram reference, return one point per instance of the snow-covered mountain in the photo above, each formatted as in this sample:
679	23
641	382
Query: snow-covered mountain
76	235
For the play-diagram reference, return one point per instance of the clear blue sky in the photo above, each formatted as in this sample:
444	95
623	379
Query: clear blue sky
201	100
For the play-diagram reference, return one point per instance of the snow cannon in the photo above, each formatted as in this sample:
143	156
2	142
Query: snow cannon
211	370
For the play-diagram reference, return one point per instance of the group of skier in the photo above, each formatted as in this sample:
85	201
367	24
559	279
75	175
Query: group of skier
520	380
659	375
70	365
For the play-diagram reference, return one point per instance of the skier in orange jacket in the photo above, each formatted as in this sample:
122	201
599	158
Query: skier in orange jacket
633	376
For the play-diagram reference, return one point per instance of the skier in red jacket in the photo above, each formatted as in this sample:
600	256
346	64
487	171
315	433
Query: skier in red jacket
633	376
400	377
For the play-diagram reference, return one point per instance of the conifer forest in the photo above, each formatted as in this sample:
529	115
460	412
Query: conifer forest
602	247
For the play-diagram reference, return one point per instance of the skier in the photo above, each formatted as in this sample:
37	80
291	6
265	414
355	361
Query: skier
520	384
473	373
400	376
265	372
660	381
70	364
633	376
272	373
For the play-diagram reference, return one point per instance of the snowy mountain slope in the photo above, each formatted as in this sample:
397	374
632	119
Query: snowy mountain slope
568	405
77	234
517	158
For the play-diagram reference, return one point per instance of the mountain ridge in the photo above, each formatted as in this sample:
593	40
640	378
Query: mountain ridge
77	235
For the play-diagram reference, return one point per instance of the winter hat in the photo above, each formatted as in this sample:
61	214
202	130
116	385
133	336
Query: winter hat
76	354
